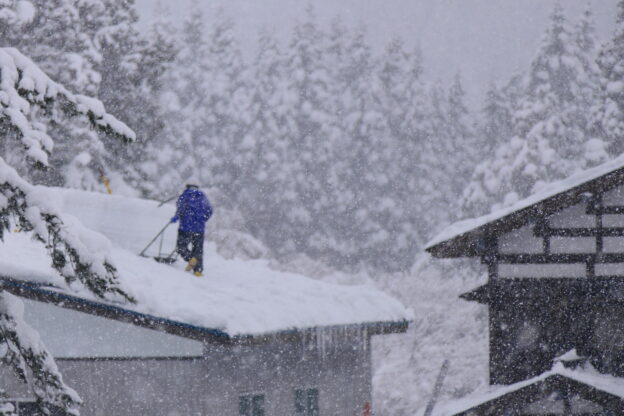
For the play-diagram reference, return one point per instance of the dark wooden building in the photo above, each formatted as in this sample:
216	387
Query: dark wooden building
555	276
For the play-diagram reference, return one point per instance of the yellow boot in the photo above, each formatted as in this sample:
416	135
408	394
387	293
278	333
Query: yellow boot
198	274
192	262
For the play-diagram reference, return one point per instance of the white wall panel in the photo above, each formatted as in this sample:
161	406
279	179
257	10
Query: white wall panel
609	269
573	217
613	244
69	333
614	197
613	220
572	244
521	241
542	270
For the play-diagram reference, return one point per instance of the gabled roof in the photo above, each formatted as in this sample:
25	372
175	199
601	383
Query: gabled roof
605	390
465	238
235	300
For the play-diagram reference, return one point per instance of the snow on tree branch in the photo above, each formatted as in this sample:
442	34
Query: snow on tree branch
24	86
22	349
76	254
14	12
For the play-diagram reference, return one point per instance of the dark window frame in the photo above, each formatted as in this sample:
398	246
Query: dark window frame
307	401
30	407
251	404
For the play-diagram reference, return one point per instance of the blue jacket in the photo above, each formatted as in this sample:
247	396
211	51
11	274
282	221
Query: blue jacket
193	210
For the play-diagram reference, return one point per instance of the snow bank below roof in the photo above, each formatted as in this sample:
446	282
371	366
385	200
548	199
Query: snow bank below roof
609	384
550	190
235	296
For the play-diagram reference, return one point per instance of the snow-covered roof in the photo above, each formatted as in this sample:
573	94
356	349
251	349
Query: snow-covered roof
236	297
603	382
459	239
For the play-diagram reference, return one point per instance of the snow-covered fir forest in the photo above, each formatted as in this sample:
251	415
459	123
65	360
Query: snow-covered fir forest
323	154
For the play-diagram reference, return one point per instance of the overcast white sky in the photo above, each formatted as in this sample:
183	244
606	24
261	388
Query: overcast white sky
484	39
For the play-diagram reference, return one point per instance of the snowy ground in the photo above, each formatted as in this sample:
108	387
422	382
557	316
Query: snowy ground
445	328
235	296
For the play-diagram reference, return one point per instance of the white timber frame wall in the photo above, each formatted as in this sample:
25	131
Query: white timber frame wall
584	240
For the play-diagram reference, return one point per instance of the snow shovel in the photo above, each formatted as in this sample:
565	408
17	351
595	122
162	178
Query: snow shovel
171	258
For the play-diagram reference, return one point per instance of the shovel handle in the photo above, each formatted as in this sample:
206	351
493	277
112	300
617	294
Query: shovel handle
142	254
167	200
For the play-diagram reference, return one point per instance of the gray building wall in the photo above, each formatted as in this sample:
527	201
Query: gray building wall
69	333
341	372
213	384
130	381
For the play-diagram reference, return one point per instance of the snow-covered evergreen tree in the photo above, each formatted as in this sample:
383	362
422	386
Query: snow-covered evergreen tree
221	144
552	129
357	228
497	123
398	95
127	73
464	147
585	37
266	173
15	15
92	47
610	114
496	128
172	158
158	65
53	38
26	91
337	49
589	96
304	201
447	155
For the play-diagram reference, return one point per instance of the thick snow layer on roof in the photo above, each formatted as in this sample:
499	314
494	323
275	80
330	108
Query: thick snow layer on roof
590	377
550	190
235	296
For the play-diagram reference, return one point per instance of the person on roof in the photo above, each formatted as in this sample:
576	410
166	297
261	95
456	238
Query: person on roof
193	211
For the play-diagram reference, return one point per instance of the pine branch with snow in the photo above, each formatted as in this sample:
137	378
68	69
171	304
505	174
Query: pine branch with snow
23	351
23	89
69	246
610	112
80	255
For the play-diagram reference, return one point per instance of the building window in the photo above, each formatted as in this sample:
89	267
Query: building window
29	408
251	405
306	402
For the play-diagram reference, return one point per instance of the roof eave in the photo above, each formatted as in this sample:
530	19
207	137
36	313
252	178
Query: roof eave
366	328
46	294
554	381
469	244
